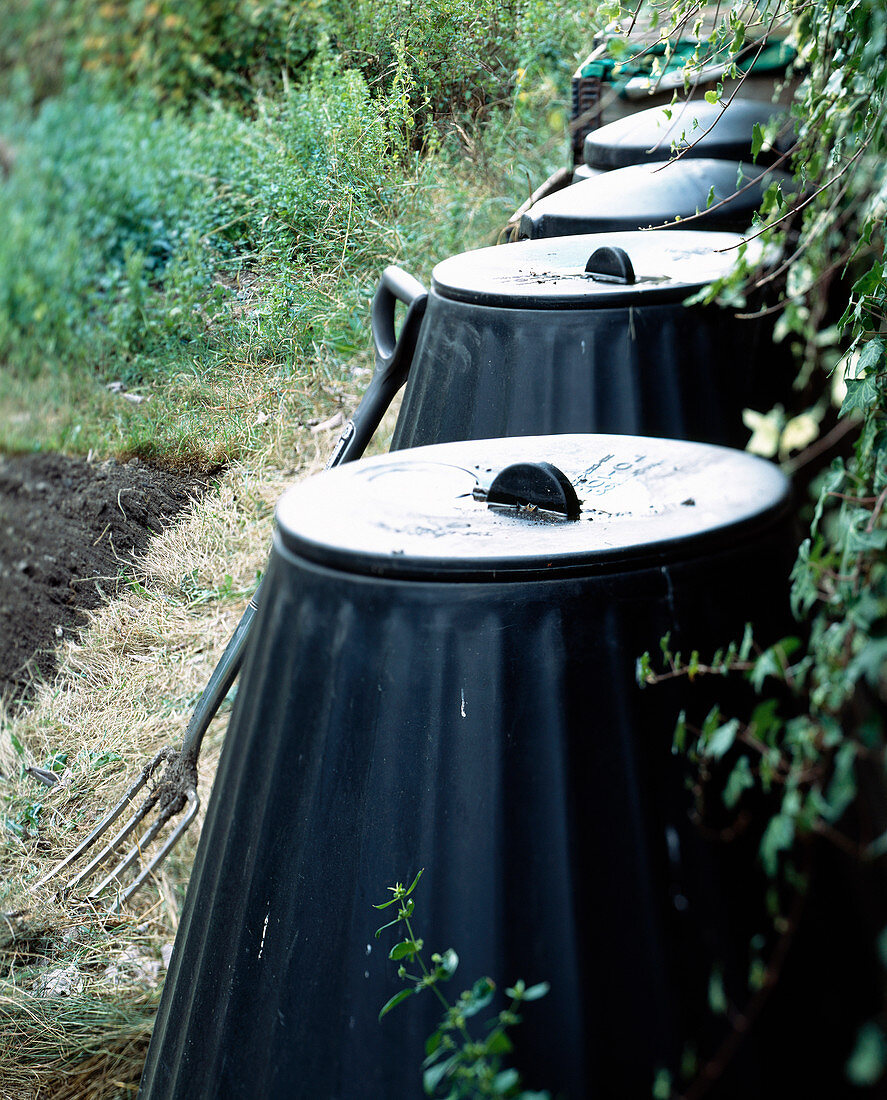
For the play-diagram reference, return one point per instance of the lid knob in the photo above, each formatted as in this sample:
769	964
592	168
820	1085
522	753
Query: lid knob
537	485
610	265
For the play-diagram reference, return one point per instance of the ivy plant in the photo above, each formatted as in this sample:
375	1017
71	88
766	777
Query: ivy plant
820	758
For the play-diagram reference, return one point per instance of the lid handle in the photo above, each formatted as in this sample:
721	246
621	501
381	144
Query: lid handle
610	265
536	485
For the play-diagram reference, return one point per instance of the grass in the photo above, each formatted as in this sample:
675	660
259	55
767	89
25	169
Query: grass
125	690
211	251
220	266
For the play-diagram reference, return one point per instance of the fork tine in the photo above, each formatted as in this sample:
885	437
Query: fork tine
131	856
159	857
113	844
107	821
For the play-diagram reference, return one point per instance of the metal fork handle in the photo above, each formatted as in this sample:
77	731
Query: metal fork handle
219	684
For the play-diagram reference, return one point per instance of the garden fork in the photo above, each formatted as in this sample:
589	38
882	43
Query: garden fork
176	790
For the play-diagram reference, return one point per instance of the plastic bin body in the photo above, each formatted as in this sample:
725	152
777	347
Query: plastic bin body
455	701
521	340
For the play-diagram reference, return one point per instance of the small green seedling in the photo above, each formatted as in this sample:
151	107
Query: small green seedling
458	1065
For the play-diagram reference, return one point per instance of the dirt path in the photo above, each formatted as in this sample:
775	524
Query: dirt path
68	532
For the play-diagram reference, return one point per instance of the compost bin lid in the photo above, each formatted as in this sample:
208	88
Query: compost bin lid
432	512
703	129
725	193
574	272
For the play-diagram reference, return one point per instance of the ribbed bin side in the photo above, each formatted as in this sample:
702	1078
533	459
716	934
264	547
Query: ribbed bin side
683	373
494	735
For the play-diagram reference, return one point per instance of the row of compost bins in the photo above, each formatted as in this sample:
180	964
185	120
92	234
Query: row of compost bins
442	676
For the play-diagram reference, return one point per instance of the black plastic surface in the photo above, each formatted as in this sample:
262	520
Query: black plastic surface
534	486
494	735
697	128
551	274
661	370
418	514
645	195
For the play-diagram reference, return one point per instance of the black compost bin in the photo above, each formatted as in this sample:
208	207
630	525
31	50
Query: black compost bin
588	334
443	677
717	194
694	128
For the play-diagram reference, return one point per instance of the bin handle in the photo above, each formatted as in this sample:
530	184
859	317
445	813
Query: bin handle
394	356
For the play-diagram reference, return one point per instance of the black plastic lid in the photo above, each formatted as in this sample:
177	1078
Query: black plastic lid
709	130
425	513
553	273
644	195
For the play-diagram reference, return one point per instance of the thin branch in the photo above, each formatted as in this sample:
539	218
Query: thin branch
795	209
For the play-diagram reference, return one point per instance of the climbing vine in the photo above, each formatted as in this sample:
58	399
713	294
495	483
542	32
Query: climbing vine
815	743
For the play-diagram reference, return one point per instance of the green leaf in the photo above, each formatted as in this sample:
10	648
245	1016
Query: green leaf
778	837
448	962
536	991
404	949
770	663
662	1085
740	780
432	1076
390	924
478	997
432	1043
875	850
757	140
722	739
861	394
394	1001
711	97
871	355
507	1079
717	997
868	1061
499	1043
842	788
680	733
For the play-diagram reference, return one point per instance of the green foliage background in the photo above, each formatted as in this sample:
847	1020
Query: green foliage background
203	195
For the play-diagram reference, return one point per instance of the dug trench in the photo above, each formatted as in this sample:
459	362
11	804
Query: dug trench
71	531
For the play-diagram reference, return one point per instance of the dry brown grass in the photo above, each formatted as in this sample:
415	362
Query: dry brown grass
79	986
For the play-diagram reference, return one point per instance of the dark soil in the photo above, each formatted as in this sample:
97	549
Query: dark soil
69	531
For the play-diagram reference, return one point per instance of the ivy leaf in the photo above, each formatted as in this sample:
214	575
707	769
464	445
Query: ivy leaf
871	355
868	1061
861	393
739	780
778	837
722	739
757	140
717	997
842	788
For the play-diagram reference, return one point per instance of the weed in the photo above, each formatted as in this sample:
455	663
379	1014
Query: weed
458	1064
